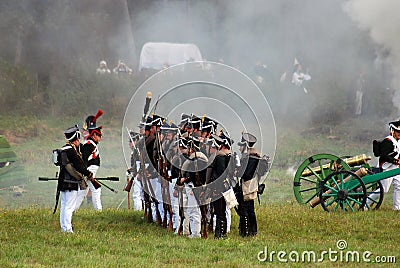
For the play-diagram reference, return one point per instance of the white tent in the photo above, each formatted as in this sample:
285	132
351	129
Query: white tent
158	55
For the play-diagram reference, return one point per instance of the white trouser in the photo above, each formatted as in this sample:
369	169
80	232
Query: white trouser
359	97
228	219
174	204
375	194
68	202
396	192
386	186
193	211
228	214
185	224
137	195
96	193
155	183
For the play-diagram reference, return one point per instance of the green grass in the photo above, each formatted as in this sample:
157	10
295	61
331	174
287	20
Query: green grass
30	235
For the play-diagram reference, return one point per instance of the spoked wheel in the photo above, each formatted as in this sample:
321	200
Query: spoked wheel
312	172
343	190
375	195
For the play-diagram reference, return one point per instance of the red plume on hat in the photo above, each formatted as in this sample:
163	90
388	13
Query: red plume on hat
90	121
99	113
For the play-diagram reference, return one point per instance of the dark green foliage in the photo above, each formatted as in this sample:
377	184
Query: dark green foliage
71	94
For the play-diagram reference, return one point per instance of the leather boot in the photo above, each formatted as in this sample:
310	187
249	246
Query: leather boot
224	226
217	232
244	226
252	226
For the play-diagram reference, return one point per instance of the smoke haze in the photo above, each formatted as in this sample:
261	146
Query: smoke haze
380	20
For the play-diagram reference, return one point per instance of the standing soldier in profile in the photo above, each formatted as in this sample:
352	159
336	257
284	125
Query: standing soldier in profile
218	171
155	181
91	157
137	195
73	177
388	152
181	223
194	168
246	189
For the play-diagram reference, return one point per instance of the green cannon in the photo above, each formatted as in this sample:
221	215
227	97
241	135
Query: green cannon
346	184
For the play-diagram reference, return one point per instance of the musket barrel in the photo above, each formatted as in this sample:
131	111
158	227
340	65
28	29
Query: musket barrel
99	179
351	161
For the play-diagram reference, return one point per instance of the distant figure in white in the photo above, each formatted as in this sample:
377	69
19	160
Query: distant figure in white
359	93
298	77
103	69
122	68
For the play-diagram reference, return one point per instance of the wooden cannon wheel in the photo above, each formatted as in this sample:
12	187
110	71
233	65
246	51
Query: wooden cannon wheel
343	190
377	189
312	172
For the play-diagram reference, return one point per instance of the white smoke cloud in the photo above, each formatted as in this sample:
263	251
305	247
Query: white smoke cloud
380	19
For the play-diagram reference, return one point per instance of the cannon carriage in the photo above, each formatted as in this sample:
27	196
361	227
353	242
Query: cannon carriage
346	184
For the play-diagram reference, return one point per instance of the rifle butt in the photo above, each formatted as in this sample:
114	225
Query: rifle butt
128	186
158	216
95	183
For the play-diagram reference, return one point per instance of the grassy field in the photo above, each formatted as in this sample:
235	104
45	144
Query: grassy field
120	238
30	235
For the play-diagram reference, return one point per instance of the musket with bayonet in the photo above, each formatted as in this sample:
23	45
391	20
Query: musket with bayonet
180	198
202	205
162	163
147	187
94	180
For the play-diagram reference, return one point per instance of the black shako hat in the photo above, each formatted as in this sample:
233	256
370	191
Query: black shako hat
90	121
183	143
195	122
395	125
72	133
167	128
216	140
133	136
194	143
184	120
208	125
157	120
247	140
226	138
147	124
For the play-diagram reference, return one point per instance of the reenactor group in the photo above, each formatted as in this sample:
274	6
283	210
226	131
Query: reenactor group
186	177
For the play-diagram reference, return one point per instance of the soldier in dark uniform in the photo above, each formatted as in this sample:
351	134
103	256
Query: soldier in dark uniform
218	170
195	125
184	125
137	195
389	158
194	177
153	154
145	146
208	127
182	221
73	176
91	157
246	189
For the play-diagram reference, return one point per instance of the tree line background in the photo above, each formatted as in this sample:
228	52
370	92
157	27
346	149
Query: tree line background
50	50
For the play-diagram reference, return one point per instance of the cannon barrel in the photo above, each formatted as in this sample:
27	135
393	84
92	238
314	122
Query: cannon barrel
351	161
